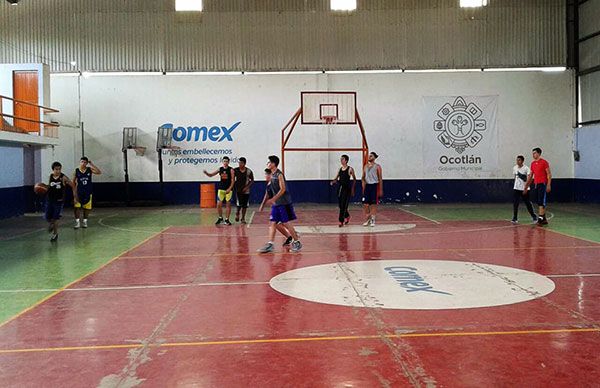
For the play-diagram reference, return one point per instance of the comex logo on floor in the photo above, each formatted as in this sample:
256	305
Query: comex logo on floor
408	278
215	133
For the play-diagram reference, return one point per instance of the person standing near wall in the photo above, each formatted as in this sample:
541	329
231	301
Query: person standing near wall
542	180
224	190
372	185
244	178
345	189
83	185
521	174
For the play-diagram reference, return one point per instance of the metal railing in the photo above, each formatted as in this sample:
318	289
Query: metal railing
10	123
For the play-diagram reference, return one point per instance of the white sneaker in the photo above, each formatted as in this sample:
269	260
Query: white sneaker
367	222
372	224
85	223
77	224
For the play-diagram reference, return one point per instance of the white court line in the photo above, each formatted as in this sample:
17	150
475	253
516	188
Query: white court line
420	216
148	287
251	218
577	275
7	238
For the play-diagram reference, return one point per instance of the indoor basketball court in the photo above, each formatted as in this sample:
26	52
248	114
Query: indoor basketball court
328	193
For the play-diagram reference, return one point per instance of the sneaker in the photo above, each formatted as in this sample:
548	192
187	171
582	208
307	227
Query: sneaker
347	220
296	246
514	222
367	222
54	237
226	222
243	221
341	224
372	224
219	221
544	222
84	223
266	249
288	241
534	220
237	218
77	224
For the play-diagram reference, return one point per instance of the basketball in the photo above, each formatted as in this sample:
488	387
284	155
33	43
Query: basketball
40	189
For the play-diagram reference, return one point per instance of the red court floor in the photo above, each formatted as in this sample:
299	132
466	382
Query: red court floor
192	307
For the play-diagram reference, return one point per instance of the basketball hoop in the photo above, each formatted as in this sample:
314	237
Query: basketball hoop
139	151
329	119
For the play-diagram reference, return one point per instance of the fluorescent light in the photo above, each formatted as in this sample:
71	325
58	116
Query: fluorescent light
120	73
443	71
343	5
64	74
364	71
545	69
205	73
299	72
188	5
473	3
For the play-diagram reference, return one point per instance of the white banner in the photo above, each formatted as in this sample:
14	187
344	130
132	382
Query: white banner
460	137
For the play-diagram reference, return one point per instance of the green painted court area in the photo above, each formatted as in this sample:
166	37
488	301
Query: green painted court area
31	268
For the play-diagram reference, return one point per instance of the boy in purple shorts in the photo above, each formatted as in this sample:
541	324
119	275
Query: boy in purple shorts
268	195
282	210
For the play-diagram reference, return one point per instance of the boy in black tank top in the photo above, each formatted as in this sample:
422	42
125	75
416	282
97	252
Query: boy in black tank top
57	184
224	190
345	189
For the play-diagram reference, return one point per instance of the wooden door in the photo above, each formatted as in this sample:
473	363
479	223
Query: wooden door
25	88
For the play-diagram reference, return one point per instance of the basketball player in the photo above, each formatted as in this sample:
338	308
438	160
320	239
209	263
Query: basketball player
268	195
542	180
372	185
521	174
345	190
282	210
244	178
224	190
83	184
55	198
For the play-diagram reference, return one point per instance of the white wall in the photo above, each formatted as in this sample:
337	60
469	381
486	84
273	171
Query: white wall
11	160
588	145
534	109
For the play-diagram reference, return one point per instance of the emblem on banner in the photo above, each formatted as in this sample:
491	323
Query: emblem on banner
460	125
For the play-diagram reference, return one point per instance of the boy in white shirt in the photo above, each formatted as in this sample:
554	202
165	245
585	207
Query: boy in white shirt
521	173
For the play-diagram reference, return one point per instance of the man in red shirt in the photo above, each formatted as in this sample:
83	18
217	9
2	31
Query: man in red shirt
542	179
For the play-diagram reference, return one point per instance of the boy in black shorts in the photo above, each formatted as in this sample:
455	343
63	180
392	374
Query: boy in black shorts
56	196
345	190
244	178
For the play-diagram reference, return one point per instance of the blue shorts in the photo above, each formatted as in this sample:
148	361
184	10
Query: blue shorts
370	194
539	194
280	214
53	210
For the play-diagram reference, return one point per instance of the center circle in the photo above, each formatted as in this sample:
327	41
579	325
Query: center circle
412	284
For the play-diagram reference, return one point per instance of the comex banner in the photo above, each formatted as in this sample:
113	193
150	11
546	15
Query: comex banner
460	137
201	145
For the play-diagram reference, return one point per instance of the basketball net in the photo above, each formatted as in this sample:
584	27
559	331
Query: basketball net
329	119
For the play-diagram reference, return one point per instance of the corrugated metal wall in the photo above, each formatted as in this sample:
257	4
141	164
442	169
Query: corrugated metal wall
257	35
589	60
